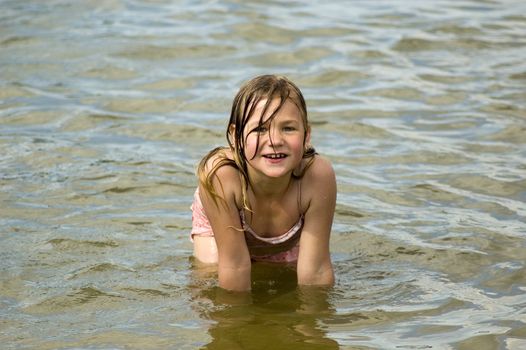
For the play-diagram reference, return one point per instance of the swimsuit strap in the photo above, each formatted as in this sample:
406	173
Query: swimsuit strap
299	198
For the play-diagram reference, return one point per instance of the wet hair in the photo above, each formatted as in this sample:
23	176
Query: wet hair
261	88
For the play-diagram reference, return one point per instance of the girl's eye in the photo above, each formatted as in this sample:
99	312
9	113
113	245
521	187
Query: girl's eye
260	129
289	128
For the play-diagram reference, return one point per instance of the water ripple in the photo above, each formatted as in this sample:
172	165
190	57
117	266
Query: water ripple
107	106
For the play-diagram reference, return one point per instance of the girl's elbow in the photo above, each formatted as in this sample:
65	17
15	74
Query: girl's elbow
237	279
320	277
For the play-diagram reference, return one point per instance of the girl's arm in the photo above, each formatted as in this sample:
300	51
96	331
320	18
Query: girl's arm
314	260
234	265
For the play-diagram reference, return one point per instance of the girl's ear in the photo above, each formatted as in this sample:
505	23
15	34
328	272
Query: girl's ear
232	130
307	137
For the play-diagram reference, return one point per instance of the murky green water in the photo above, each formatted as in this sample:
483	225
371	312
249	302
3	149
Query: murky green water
106	106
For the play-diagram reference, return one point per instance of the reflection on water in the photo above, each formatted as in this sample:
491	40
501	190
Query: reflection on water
106	107
276	314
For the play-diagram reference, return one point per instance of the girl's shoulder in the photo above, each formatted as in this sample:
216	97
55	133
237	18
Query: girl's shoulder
318	185
214	157
225	175
319	176
319	169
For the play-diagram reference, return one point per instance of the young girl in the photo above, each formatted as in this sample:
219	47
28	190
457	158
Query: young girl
268	196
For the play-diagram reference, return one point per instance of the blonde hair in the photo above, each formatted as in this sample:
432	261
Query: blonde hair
261	88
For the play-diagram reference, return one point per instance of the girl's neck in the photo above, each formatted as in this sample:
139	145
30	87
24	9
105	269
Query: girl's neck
269	187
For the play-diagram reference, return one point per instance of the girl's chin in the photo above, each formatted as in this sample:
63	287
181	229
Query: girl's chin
274	168
275	173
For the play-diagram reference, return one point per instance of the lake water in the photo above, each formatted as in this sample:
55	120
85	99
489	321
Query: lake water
106	107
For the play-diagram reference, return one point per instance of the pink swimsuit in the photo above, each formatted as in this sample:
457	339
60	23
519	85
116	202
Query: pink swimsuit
283	248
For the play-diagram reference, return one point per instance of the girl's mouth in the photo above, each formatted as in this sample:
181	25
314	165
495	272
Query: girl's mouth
275	156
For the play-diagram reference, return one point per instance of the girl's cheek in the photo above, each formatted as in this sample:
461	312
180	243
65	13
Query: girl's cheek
250	149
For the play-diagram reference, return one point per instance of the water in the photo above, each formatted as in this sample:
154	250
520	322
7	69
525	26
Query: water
106	107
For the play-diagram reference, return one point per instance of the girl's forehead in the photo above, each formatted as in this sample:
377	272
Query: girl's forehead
289	109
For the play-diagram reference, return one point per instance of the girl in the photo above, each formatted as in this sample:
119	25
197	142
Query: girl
268	196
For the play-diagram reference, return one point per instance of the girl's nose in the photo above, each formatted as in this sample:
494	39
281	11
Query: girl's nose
276	137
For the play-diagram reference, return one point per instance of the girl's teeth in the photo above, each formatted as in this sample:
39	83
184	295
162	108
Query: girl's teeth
275	156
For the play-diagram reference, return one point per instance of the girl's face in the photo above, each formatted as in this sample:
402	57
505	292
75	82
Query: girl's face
280	147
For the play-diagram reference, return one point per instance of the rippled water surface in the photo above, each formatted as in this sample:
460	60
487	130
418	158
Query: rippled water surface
106	107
